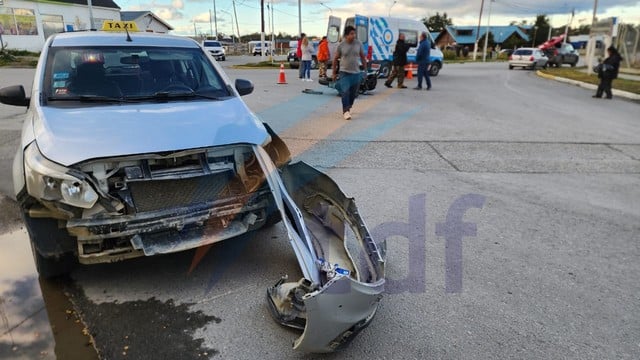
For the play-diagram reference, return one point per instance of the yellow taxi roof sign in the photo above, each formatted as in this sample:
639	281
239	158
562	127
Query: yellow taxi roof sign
114	25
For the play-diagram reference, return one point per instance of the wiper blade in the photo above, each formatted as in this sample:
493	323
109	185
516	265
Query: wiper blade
182	95
87	98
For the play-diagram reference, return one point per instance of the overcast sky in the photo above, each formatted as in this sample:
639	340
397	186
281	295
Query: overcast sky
184	14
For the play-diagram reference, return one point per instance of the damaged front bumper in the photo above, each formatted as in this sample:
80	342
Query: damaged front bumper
343	267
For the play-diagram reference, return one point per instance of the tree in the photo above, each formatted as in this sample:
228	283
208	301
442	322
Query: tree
437	22
540	29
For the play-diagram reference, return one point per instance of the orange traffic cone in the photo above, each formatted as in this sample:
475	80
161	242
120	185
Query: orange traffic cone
409	72
281	79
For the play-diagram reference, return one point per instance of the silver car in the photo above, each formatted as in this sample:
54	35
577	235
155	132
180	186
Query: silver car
138	144
215	48
530	58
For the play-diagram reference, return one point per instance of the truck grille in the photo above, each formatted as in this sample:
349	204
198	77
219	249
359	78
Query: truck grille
155	195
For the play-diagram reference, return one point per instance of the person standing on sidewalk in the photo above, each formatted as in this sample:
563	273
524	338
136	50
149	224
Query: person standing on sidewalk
307	56
607	71
399	61
323	57
349	50
422	58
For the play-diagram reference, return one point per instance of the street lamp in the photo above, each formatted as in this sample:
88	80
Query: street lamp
535	31
330	11
394	2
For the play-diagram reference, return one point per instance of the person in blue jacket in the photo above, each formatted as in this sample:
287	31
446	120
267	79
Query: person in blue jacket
422	58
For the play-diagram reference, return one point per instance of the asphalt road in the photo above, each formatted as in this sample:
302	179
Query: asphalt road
545	176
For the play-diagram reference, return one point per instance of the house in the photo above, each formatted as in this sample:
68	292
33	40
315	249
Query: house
146	21
466	35
25	25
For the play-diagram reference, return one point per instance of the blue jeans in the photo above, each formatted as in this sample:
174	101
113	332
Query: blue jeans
306	69
349	85
423	71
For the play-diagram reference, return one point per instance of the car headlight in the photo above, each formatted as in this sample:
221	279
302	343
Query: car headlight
47	180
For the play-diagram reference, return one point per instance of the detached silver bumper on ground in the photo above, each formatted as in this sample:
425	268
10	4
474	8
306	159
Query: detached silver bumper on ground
343	268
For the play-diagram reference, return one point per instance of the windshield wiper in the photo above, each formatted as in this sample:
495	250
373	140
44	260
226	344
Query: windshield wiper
181	95
88	98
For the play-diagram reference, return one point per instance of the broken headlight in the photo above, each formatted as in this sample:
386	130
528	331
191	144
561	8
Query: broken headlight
47	180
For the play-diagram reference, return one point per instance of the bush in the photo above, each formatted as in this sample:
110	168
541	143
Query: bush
22	53
449	55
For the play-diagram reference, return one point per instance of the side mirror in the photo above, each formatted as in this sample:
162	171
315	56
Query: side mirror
14	95
244	87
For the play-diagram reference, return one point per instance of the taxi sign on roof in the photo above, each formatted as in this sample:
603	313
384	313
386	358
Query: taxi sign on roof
113	25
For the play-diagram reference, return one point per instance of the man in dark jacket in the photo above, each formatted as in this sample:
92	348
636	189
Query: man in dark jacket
607	71
422	58
399	61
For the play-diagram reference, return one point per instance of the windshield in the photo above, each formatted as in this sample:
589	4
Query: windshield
212	44
130	73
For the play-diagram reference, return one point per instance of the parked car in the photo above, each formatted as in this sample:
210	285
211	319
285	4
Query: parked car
562	54
257	50
528	58
294	61
138	144
215	48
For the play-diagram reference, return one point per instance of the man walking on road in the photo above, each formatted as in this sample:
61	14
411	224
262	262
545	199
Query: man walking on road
350	76
422	58
399	61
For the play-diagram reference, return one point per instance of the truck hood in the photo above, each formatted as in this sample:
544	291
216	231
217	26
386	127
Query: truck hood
71	135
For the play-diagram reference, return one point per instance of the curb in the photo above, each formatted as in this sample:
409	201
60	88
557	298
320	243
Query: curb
616	92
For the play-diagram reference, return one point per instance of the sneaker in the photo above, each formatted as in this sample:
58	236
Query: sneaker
595	96
429	88
401	87
417	88
347	115
387	85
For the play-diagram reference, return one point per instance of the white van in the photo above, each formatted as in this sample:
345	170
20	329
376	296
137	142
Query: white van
379	34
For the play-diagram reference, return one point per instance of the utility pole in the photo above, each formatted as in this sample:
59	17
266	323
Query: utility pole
92	26
273	31
300	18
210	25
215	18
566	29
262	30
236	15
486	34
475	48
591	46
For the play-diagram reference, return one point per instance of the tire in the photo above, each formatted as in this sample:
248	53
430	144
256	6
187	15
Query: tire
510	67
533	67
224	58
385	70
50	267
573	64
435	69
53	249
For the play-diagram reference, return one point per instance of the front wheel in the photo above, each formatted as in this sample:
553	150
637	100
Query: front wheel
385	70
435	69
